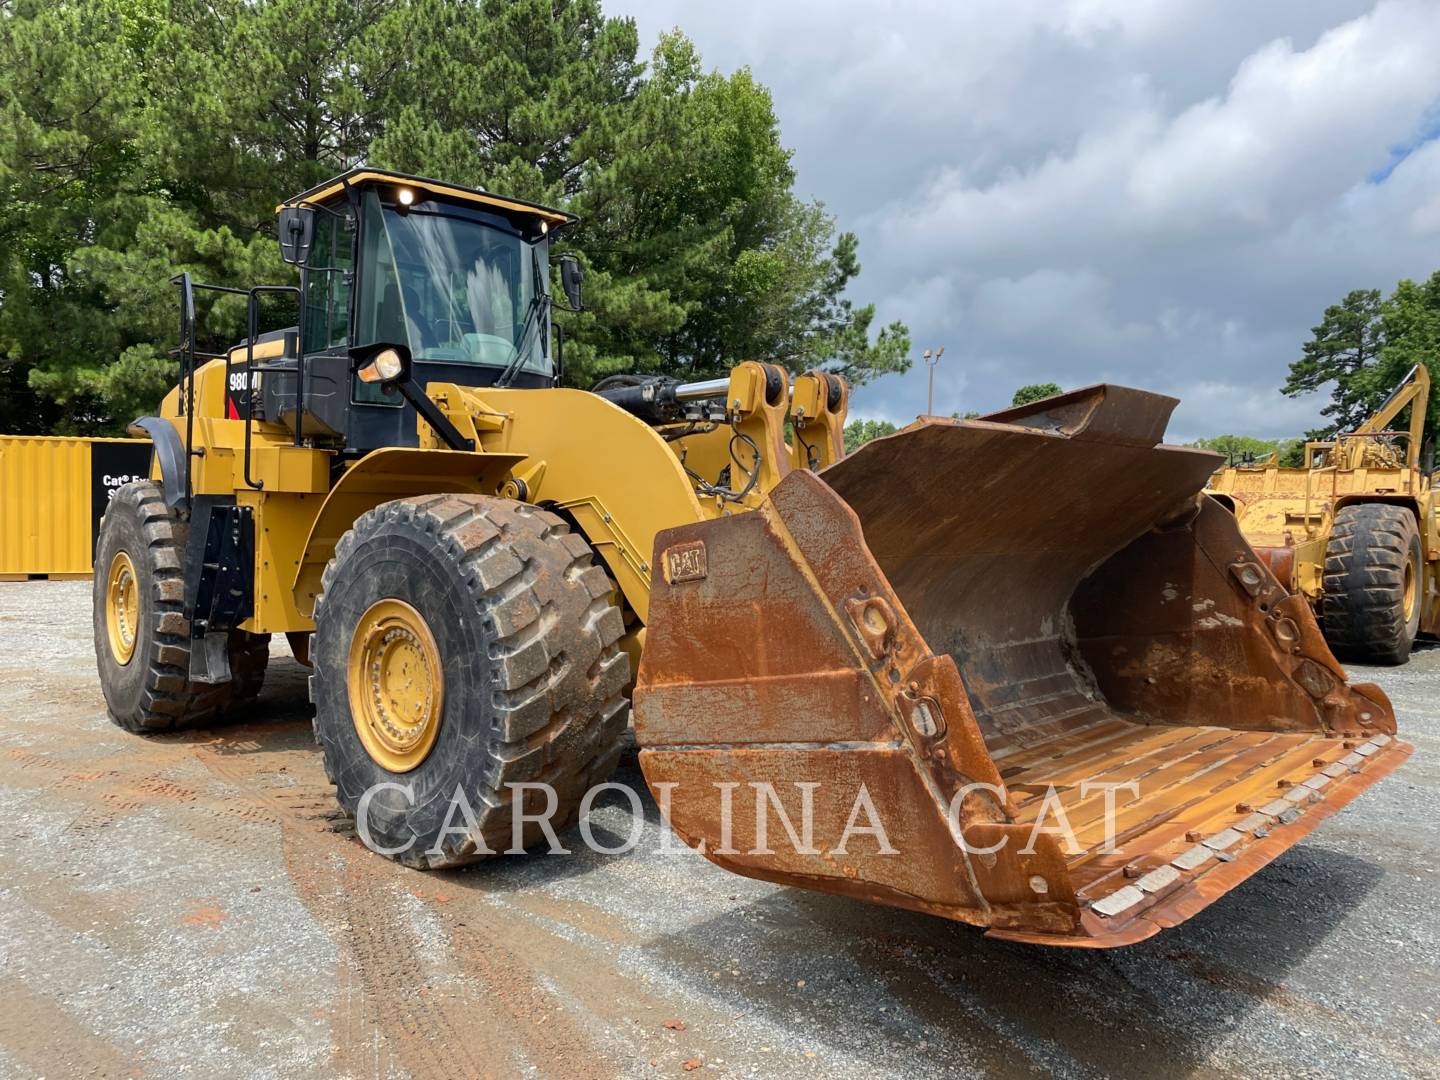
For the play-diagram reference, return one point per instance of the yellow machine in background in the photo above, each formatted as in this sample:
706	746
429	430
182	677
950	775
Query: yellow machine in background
485	569
1355	529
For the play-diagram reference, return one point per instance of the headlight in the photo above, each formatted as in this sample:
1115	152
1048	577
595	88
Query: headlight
386	367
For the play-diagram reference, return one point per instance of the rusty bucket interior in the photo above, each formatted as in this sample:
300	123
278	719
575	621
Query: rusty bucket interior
973	628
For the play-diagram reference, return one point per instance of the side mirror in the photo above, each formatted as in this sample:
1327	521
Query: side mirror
571	275
296	226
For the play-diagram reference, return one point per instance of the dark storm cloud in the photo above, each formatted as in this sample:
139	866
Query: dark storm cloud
1157	192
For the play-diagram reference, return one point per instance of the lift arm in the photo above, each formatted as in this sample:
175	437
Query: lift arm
1415	387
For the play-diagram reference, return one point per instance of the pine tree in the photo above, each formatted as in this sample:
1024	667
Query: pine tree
139	138
1341	349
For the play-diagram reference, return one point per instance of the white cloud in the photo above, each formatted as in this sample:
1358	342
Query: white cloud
1295	129
1269	415
1053	307
1160	192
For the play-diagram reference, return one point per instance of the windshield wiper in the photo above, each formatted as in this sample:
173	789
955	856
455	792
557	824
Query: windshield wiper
538	303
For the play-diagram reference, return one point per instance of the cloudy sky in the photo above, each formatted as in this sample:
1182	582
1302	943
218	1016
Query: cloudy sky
1164	193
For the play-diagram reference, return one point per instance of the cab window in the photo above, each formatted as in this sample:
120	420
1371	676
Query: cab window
455	284
328	283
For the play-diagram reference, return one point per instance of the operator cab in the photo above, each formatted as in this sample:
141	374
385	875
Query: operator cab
458	280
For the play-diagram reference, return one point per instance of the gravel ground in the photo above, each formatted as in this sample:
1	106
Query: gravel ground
190	905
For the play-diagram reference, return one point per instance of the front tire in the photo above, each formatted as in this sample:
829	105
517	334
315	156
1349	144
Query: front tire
1374	584
464	643
142	638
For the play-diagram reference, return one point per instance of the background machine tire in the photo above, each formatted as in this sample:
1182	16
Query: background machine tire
1374	584
142	638
471	642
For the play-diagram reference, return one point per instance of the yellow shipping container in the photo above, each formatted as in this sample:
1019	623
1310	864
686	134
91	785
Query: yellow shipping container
53	492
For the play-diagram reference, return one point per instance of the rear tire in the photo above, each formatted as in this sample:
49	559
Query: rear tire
484	644
1374	584
142	638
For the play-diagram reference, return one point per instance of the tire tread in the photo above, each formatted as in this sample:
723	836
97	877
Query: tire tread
1363	592
557	674
169	700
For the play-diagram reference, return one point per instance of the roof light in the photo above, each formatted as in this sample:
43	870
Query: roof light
544	227
406	196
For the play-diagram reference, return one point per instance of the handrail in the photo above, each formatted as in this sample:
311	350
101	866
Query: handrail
252	320
187	354
187	369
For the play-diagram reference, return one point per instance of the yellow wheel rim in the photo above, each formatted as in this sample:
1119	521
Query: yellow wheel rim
122	607
396	684
1410	589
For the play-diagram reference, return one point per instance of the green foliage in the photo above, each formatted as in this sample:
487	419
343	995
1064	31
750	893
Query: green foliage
1411	327
859	432
1292	453
1034	392
139	138
1364	347
1238	449
21	412
101	201
1346	342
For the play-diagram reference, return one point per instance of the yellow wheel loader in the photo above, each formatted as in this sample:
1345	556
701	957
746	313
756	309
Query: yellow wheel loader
1356	530
900	675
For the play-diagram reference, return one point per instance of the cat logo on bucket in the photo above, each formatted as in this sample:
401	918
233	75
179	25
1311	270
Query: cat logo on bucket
685	562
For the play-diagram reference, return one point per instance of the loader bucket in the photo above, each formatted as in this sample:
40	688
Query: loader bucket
1014	671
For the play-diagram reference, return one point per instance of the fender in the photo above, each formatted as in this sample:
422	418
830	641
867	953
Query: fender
386	474
1409	502
169	452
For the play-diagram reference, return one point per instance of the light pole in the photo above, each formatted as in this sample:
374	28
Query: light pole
930	362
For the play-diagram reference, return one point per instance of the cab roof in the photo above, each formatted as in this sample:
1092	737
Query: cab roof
362	177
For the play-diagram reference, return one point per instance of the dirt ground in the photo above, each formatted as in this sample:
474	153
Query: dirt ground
190	905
